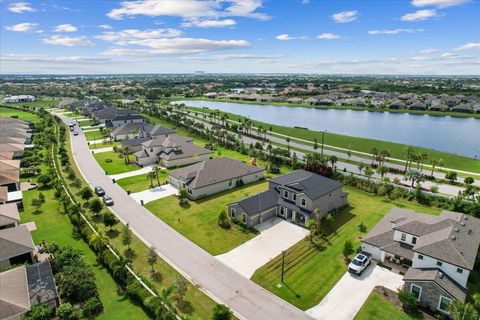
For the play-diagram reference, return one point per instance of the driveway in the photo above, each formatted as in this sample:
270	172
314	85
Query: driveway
275	236
138	172
154	193
350	293
101	150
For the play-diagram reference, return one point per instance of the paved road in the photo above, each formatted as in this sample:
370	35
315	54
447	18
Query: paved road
247	299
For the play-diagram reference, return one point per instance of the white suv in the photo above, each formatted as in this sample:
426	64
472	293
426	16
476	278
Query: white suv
360	263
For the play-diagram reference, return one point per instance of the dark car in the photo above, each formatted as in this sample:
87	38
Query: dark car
75	133
107	200
99	191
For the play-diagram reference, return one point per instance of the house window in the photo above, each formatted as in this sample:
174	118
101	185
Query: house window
416	290
420	257
294	197
304	202
233	212
404	237
439	263
230	183
189	191
244	219
443	303
459	270
414	240
285	194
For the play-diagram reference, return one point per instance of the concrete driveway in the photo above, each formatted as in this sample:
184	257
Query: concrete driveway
138	172
154	193
350	293
275	236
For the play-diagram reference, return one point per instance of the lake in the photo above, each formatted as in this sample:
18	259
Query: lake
444	133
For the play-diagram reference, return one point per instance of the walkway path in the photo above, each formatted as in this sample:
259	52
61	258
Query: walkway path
247	299
138	172
154	194
90	130
101	150
98	126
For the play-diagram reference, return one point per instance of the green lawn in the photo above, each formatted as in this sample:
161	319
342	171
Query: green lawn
93	135
85	123
39	103
141	182
104	144
198	220
117	165
376	307
365	145
22	115
310	271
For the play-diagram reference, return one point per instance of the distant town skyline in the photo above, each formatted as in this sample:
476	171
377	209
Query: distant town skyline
416	37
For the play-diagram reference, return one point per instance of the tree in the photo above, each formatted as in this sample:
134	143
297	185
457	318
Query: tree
98	241
311	225
37	203
408	156
408	299
44	180
109	220
66	312
151	177
167	310
368	173
347	249
222	312
395	194
182	196
374	153
96	207
39	312
434	163
451	175
181	291
152	258
382	170
126	154
223	220
126	236
362	227
158	171
333	160
92	307
414	176
86	193
462	311
77	283
469	180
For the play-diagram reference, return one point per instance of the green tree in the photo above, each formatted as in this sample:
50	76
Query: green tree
333	160
152	258
181	291
451	175
434	163
45	180
37	203
39	312
469	180
414	176
368	173
126	236
151	177
462	311
408	156
348	249
374	153
382	170
98	241
96	207
167	310
182	195
223	220
408	299
66	312
109	220
158	172
86	193
222	312
318	222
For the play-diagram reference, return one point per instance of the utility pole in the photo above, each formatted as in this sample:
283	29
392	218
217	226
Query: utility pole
323	139
283	262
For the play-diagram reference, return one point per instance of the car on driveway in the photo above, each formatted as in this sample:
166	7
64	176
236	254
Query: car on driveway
360	263
99	191
107	200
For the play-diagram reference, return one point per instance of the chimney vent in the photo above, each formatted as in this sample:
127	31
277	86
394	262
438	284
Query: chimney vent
440	275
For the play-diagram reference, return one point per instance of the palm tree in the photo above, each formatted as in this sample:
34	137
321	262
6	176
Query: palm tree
151	176
415	176
98	240
157	170
408	156
384	154
422	157
368	172
361	166
288	144
126	153
434	163
166	298
333	160
119	269
374	153
462	311
382	170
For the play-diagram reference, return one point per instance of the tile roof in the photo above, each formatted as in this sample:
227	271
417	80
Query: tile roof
14	297
14	242
8	214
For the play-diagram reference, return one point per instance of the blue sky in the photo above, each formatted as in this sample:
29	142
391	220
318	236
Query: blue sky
294	36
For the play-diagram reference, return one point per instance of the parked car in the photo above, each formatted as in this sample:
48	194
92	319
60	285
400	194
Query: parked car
360	263
99	191
75	133
107	200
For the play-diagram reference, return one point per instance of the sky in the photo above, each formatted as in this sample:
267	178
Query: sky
418	37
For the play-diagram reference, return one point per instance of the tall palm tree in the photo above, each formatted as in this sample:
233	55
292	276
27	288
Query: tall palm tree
408	156
157	170
151	176
384	154
414	176
98	240
382	170
126	154
333	160
368	173
120	271
374	153
166	298
462	311
423	157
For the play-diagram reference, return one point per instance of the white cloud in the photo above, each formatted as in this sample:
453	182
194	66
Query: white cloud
224	57
305	1
418	58
20	7
345	16
394	31
175	46
448	55
286	37
65	28
58	40
419	15
328	36
135	34
24	27
105	27
209	23
188	10
21	58
468	46
438	3
427	51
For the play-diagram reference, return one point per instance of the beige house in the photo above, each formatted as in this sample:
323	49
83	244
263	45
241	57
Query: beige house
9	216
17	246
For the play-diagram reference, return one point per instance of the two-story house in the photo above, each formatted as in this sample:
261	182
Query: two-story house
439	252
294	197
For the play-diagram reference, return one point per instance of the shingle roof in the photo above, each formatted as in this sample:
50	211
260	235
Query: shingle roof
134	142
213	171
14	297
8	214
14	242
440	278
127	128
312	184
259	202
157	130
122	117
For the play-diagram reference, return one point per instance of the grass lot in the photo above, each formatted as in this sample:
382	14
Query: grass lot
22	115
365	145
93	135
198	220
117	165
85	123
40	103
311	271
104	145
141	182
376	307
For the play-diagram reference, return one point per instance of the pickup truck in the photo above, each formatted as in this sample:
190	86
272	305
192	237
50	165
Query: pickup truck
360	263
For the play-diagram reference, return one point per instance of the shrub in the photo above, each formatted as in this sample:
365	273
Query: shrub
362	227
92	307
108	160
66	312
223	220
221	312
39	312
77	283
434	189
347	249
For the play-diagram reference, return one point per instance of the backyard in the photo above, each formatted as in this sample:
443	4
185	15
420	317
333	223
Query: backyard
198	219
312	271
116	165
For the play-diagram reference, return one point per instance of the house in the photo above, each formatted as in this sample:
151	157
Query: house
124	119
170	151
439	252
26	286
126	131
214	175
310	101
134	144
20	98
10	174
439	107
17	246
152	131
9	217
462	108
294	100
396	105
294	197
106	113
417	105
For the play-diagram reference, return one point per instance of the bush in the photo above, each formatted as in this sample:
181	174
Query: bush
77	283
223	220
222	312
408	300
92	307
137	292
66	312
108	160
347	249
39	312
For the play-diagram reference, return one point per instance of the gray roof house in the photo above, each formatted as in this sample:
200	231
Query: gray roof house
151	131
439	252
170	151
122	119
127	130
214	175
16	246
294	197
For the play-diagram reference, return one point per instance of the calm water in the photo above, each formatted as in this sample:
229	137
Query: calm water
444	133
